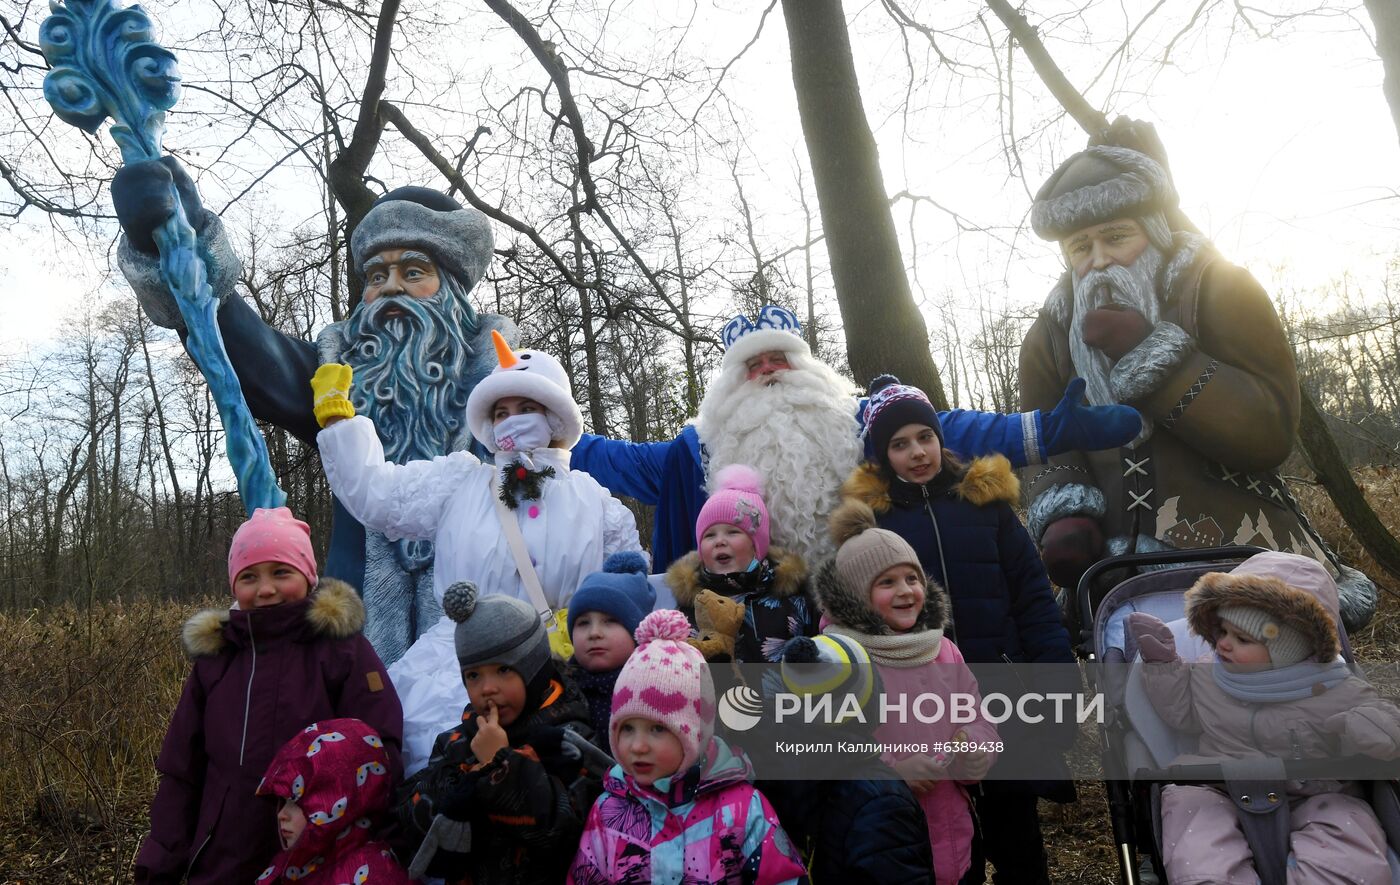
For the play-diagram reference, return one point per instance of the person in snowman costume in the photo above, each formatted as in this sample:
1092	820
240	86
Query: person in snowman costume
525	526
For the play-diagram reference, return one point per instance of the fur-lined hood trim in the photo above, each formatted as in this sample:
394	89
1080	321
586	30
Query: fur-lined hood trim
333	611
852	610
1294	607
989	480
789	575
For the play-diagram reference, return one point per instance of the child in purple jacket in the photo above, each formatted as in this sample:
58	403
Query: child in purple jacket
289	653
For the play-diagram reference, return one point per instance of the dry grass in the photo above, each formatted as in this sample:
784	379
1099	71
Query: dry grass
84	702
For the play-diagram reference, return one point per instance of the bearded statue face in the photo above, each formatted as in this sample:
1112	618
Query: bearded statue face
1113	263
410	344
1097	246
402	272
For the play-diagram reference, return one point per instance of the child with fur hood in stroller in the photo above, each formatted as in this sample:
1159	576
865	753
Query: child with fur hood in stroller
1277	688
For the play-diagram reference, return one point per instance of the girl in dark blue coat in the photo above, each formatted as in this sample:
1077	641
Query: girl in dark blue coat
960	520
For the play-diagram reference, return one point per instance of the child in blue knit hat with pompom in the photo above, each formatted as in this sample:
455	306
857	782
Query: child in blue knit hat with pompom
603	615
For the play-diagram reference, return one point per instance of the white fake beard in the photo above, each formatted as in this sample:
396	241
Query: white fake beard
1134	286
798	430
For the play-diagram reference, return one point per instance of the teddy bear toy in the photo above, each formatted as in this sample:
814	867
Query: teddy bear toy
717	620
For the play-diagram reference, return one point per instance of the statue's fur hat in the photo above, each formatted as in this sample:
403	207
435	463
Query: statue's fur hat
1098	185
459	239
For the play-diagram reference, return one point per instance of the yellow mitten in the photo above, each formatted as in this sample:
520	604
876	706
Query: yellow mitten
561	645
330	393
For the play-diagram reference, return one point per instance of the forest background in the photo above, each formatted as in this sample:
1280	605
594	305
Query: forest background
646	166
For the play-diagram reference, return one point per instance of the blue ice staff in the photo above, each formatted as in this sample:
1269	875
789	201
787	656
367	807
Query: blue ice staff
106	64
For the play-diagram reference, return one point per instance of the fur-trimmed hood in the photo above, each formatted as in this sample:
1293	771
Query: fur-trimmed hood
789	575
851	609
1295	589
332	611
988	480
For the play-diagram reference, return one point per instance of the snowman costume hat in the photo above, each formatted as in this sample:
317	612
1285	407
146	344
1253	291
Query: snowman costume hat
529	373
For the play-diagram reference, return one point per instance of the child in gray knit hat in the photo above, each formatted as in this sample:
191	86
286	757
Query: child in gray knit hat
1273	684
516	772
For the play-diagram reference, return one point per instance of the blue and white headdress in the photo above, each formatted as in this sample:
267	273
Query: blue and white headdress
776	328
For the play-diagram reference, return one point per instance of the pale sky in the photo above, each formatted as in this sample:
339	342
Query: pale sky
1283	151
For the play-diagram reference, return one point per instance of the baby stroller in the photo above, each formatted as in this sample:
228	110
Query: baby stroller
1137	747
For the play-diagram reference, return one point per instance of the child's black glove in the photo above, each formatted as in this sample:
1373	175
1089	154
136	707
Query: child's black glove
454	796
548	740
559	757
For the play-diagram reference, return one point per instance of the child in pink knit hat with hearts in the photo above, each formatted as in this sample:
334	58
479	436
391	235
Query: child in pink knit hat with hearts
671	767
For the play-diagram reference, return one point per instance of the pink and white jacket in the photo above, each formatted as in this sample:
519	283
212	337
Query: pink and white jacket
710	825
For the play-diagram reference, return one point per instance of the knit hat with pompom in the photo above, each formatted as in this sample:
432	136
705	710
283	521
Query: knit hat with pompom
736	498
620	590
666	681
867	550
891	406
496	629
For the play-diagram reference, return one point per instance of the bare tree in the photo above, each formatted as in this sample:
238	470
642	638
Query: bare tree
884	329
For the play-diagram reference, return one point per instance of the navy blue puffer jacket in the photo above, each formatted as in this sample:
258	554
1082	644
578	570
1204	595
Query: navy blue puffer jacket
856	832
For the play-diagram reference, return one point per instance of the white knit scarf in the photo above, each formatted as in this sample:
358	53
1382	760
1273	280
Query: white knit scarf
901	650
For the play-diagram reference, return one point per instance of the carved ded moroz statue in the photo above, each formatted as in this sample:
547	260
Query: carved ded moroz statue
415	343
1158	320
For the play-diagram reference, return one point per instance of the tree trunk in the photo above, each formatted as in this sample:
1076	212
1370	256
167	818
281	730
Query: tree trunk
597	414
1336	478
346	173
884	330
1385	15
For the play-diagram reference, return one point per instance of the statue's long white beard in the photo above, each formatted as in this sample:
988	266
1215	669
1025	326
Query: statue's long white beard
1135	287
798	430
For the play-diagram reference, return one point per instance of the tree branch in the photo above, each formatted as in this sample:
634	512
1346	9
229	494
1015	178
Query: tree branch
392	114
347	170
1089	118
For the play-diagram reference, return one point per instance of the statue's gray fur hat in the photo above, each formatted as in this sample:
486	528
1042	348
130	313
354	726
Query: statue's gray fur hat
458	238
1098	185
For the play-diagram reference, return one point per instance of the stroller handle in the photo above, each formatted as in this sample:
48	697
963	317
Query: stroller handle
1166	557
1343	768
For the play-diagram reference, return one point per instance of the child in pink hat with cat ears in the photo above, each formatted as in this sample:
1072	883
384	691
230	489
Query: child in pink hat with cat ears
733	558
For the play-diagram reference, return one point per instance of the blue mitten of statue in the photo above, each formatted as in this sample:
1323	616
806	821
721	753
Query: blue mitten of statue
1074	426
143	195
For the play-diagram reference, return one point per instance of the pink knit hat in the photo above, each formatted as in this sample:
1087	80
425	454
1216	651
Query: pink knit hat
666	680
272	535
737	499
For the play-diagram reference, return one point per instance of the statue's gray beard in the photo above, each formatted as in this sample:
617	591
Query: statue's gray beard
410	370
1134	286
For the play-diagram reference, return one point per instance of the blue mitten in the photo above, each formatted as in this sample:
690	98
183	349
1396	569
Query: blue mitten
1072	426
